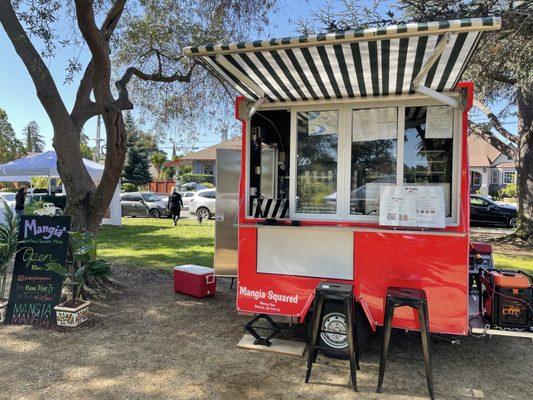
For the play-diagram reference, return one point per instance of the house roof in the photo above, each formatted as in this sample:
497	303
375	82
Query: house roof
480	152
209	153
347	64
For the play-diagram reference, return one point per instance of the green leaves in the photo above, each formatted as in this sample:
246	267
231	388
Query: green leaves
57	269
8	243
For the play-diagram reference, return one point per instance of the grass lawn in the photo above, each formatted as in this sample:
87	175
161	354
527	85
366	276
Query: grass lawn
523	263
157	243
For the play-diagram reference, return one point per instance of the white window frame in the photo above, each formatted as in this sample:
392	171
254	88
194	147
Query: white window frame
495	174
212	168
340	160
475	174
344	154
513	179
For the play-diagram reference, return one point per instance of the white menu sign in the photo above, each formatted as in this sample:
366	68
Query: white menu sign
413	206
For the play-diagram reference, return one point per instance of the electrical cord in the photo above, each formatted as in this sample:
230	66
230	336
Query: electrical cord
275	128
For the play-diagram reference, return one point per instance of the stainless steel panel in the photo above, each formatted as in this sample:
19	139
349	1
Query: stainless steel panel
228	172
269	176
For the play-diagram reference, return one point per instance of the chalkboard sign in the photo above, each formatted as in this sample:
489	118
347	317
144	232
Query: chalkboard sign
34	289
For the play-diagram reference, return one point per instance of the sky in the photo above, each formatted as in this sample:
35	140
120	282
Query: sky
18	97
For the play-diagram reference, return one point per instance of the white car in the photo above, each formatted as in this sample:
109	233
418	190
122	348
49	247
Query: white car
187	197
49	209
202	203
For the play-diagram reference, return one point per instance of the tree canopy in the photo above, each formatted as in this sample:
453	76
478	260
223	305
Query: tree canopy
10	147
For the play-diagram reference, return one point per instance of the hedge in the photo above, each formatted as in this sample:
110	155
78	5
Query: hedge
198	178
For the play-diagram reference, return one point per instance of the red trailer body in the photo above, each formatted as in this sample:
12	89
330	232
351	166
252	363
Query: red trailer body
303	221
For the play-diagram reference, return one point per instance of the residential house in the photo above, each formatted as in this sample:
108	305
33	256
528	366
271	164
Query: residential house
204	161
490	169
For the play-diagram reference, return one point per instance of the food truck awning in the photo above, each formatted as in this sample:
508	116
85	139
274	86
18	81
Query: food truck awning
347	64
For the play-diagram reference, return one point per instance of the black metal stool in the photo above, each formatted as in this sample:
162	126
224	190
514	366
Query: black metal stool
415	298
325	292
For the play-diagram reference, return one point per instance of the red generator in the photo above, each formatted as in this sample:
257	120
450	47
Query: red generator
195	280
507	298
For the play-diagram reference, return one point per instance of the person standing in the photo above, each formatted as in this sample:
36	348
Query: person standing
174	205
20	199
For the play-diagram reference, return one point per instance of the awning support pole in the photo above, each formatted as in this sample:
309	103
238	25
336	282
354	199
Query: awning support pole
238	74
415	83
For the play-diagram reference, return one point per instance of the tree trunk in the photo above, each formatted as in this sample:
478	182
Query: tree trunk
87	202
524	163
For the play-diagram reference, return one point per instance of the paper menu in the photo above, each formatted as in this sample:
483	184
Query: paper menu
439	122
375	124
412	206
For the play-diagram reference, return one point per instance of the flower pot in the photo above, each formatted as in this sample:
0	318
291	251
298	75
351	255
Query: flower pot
3	308
72	316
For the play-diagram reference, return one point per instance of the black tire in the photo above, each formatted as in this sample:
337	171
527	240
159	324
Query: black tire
204	210
336	346
513	222
154	213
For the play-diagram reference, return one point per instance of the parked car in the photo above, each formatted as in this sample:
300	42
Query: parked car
142	204
484	211
202	203
191	187
49	209
187	197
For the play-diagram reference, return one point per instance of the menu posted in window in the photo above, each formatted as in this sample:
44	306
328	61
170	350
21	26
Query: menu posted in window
412	206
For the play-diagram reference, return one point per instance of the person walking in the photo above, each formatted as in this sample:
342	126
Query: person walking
20	199
174	205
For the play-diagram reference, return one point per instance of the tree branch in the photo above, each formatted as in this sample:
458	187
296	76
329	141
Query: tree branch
488	136
502	78
44	83
84	108
123	101
495	121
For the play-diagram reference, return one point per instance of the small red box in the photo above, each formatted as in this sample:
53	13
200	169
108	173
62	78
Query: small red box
195	280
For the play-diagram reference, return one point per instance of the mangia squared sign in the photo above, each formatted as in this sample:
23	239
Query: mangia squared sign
34	289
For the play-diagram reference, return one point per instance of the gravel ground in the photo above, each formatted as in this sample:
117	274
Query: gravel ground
151	343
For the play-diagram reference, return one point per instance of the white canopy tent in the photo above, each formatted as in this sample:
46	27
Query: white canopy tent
45	165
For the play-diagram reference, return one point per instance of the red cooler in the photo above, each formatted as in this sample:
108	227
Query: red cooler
195	280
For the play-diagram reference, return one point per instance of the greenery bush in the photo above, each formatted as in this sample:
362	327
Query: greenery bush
128	187
198	178
509	191
58	201
9	190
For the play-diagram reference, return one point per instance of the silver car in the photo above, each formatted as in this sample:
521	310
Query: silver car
203	203
142	204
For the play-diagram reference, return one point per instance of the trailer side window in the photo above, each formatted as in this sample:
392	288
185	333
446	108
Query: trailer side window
373	161
316	163
428	148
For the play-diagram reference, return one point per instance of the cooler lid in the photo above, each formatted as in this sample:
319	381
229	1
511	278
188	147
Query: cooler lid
194	269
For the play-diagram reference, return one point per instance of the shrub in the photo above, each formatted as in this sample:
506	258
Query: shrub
198	178
509	191
9	190
128	187
58	201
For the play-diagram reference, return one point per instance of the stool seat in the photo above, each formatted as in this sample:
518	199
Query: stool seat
406	293
416	299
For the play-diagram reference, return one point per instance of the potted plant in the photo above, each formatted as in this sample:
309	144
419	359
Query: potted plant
74	311
8	247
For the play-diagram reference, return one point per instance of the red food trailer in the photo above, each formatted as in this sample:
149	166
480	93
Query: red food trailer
354	169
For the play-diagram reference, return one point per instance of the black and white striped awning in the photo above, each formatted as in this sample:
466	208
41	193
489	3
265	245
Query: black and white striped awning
363	62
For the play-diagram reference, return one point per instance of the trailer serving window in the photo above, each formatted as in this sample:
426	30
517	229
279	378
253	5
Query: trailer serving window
343	156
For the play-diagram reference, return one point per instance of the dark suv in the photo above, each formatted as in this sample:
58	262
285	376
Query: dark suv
484	211
142	204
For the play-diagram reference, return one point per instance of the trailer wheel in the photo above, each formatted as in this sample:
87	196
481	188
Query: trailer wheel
334	320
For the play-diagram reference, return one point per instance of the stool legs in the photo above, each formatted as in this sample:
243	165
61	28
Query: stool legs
313	348
387	327
354	359
424	332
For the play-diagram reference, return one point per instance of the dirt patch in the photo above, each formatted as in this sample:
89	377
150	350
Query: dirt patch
516	247
151	343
